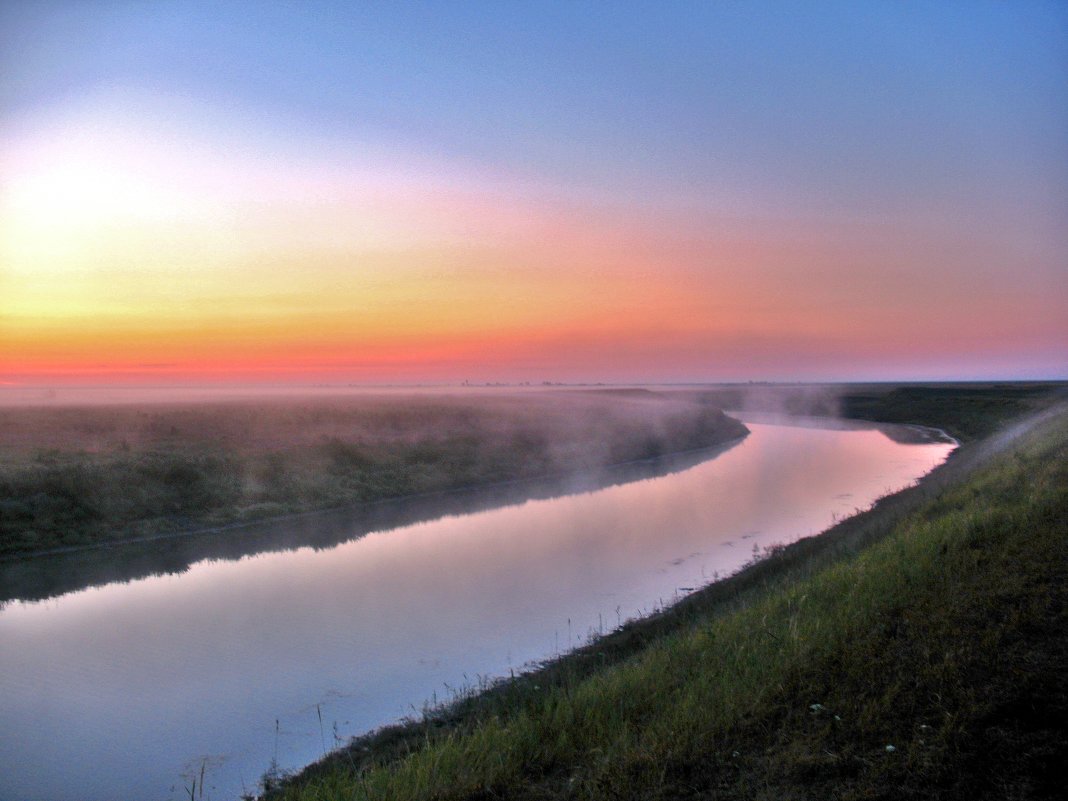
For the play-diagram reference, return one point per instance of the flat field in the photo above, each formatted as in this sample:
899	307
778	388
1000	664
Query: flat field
76	476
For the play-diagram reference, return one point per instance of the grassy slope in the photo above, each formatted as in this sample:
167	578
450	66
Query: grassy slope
945	637
73	477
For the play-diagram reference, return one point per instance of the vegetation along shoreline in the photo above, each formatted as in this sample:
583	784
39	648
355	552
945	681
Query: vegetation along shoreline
194	470
740	689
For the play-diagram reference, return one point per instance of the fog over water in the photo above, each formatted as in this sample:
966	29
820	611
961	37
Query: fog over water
128	690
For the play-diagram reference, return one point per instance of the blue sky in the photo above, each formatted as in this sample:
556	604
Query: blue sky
947	116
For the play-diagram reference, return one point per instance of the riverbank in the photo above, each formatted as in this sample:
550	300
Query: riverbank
916	650
48	575
366	630
964	410
80	477
74	478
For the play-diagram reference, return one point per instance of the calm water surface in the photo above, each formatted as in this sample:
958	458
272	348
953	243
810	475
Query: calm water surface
127	691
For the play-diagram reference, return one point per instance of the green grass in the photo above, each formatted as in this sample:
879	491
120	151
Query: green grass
926	661
966	411
78	477
75	477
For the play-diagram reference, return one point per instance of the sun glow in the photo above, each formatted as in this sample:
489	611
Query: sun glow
148	237
129	250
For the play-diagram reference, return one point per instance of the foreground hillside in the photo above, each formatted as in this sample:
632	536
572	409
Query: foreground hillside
917	651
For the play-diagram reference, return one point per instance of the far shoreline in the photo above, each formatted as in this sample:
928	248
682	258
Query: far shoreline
397	499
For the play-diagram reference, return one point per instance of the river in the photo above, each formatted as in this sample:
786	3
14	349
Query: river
131	689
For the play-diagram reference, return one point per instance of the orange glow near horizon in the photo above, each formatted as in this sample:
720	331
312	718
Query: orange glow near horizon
163	260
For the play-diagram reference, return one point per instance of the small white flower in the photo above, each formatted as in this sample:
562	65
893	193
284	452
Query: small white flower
890	749
816	707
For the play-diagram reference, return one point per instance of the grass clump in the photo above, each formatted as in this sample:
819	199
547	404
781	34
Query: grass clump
929	664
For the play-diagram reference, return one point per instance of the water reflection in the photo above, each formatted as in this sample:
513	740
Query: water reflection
57	574
115	691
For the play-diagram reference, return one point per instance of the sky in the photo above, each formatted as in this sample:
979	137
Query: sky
269	192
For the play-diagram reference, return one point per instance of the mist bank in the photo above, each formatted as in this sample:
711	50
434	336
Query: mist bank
74	477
